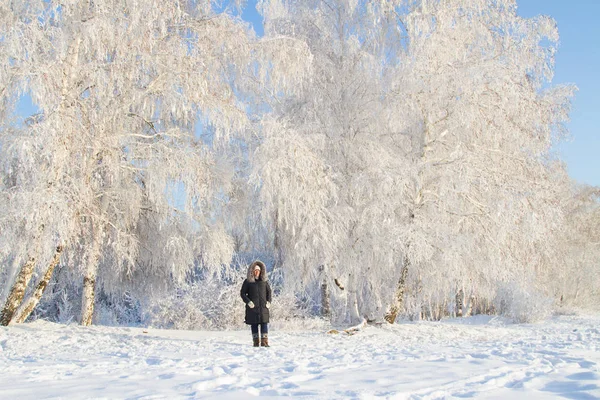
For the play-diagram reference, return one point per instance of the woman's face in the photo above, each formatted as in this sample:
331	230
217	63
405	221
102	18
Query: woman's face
256	272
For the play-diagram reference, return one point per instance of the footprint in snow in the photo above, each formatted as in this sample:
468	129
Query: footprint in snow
586	364
585	376
153	361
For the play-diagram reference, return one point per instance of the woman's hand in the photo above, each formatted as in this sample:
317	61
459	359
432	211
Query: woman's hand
268	304
250	304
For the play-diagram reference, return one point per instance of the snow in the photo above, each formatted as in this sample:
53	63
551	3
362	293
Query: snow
478	357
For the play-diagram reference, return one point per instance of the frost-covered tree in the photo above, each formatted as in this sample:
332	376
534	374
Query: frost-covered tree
479	124
329	164
418	158
112	167
408	170
577	282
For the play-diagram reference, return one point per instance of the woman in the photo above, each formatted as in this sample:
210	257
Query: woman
256	293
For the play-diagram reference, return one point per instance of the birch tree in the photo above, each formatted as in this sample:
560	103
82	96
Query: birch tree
328	163
419	154
480	127
121	87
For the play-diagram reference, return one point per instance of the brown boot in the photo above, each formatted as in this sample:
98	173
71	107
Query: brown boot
255	340
264	341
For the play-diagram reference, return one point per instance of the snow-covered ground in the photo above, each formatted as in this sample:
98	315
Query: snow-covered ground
479	357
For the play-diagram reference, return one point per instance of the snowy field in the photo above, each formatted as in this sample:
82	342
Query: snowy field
479	357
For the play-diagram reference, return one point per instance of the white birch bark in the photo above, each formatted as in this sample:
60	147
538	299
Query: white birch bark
29	305
398	301
325	299
88	297
17	292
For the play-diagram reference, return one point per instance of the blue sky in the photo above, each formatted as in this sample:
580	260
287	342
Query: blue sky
578	62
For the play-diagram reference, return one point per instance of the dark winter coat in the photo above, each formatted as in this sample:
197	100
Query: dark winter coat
259	292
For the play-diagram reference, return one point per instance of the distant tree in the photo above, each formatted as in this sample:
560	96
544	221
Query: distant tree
576	283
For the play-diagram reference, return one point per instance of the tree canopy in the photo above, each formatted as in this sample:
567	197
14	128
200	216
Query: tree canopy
380	155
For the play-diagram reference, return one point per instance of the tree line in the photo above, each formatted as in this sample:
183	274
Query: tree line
385	157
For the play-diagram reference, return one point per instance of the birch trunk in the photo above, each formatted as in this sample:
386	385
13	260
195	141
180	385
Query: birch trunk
89	284
399	296
354	314
30	304
278	242
325	303
468	306
89	297
459	305
17	292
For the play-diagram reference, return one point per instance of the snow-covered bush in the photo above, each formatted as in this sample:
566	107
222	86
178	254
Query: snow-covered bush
213	304
118	310
522	304
201	305
61	301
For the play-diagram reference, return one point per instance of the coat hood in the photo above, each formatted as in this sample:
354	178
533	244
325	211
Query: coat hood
263	271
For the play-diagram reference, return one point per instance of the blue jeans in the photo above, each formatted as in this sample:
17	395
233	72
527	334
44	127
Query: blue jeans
264	329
